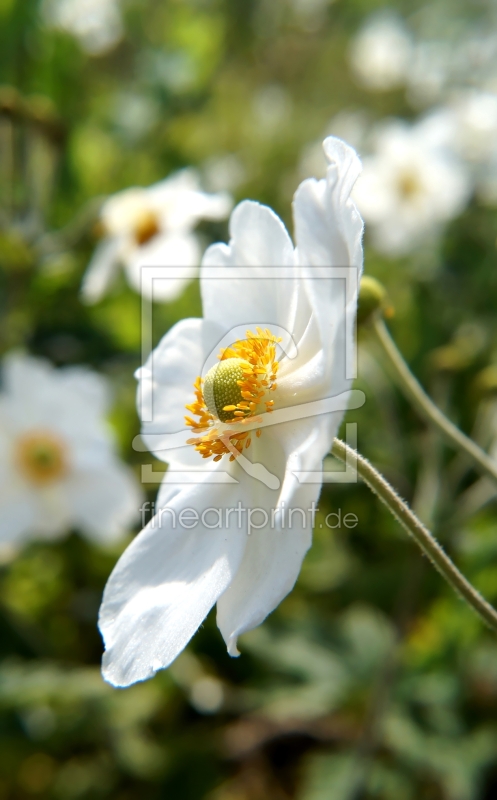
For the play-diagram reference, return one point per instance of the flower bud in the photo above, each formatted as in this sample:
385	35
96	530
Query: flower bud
486	381
372	297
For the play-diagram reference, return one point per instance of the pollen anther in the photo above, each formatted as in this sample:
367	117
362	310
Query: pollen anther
232	393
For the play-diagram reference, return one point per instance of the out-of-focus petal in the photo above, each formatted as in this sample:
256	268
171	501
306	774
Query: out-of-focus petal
179	257
104	502
17	513
181	202
101	270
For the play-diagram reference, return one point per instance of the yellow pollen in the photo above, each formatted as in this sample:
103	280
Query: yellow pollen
146	227
408	185
231	393
42	457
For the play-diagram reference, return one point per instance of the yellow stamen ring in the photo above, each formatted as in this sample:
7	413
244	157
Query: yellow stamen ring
233	391
41	456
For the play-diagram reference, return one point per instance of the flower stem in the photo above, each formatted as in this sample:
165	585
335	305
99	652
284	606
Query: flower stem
417	530
426	407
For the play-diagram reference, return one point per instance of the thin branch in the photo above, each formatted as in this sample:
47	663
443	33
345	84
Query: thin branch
426	407
417	530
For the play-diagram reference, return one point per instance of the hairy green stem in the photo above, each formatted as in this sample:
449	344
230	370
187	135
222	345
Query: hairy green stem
417	530
426	407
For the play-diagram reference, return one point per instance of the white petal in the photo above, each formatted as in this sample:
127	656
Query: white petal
178	255
87	388
120	212
186	467
52	512
182	204
21	373
328	226
71	401
166	383
17	514
104	502
250	297
274	554
165	584
329	234
210	206
101	270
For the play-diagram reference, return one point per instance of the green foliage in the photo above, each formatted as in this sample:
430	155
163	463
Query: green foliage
371	680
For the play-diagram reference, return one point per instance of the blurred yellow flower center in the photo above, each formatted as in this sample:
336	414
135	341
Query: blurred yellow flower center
233	392
146	227
409	185
41	457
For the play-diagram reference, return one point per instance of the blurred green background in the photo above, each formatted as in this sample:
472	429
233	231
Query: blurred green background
371	680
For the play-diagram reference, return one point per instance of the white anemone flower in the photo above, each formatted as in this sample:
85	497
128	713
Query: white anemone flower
468	126
58	466
410	188
381	52
234	516
153	227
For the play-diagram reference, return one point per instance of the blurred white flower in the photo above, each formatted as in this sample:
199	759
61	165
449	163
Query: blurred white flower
134	114
409	188
272	108
153	227
179	566
380	53
58	465
476	124
467	126
429	73
97	24
224	173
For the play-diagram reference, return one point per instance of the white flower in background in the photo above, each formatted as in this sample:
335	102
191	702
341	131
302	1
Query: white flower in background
153	227
430	72
476	125
409	188
58	465
467	125
225	173
351	125
254	290
380	53
97	24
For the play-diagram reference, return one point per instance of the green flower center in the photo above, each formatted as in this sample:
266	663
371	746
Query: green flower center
222	387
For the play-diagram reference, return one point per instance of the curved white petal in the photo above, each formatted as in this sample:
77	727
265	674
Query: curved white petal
104	502
329	237
165	584
101	270
248	294
274	553
179	257
166	384
328	226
